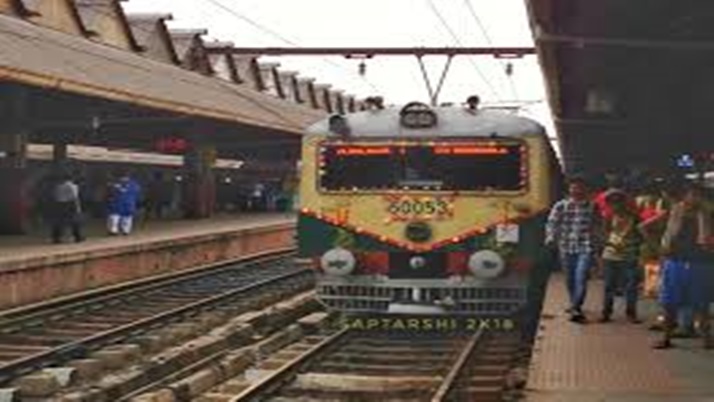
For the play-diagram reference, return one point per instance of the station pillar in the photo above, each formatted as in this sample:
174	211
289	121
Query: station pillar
14	199
199	186
59	153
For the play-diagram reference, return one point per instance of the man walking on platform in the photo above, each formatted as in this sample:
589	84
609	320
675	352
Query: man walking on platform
621	255
687	274
572	226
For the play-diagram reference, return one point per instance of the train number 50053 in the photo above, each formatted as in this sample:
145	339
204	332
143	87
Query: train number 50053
426	207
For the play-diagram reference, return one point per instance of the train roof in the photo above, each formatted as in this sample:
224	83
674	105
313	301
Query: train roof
452	122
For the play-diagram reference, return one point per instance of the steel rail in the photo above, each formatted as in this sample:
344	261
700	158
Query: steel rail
278	377
450	380
80	347
70	303
183	372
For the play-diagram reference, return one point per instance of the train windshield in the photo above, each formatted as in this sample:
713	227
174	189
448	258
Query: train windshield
445	166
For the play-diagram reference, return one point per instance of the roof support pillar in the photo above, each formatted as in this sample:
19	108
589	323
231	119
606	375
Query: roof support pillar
59	152
199	186
13	150
14	197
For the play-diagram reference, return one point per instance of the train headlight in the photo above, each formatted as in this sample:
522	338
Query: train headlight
417	262
338	262
486	264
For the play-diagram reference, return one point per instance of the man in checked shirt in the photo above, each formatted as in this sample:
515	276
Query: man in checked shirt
572	227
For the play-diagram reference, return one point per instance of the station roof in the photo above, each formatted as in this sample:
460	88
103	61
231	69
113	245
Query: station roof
629	82
152	35
48	58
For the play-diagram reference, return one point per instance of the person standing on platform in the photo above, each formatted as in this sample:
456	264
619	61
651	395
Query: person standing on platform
654	219
258	199
620	256
66	209
572	226
686	270
614	183
123	202
652	209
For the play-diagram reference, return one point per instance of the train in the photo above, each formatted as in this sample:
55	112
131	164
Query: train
426	209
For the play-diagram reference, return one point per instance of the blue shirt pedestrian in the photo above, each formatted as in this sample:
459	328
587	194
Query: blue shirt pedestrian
124	197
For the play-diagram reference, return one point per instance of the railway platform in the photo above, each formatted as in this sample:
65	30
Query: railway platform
32	269
612	362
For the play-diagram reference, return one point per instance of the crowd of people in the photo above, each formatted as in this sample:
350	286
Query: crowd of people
66	201
658	239
663	232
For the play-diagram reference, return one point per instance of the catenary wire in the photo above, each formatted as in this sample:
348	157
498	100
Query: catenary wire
265	29
484	31
458	41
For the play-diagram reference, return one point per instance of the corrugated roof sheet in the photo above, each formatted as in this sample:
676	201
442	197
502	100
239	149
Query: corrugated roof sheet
142	29
152	35
43	57
106	19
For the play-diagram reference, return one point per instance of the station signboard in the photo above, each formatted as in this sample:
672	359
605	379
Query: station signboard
171	145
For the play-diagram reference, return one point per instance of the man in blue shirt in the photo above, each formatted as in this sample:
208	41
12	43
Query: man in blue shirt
686	270
572	226
123	201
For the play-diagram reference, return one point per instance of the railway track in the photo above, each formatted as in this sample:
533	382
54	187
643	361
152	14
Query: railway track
48	335
350	365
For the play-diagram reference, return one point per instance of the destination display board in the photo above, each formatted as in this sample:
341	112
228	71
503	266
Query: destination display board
442	166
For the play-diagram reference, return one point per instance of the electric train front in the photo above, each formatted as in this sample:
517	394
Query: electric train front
423	211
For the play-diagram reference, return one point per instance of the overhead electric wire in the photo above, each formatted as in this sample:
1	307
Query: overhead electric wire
252	22
489	41
479	23
456	39
277	35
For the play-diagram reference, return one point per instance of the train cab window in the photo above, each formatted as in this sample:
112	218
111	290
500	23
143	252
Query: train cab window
473	166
